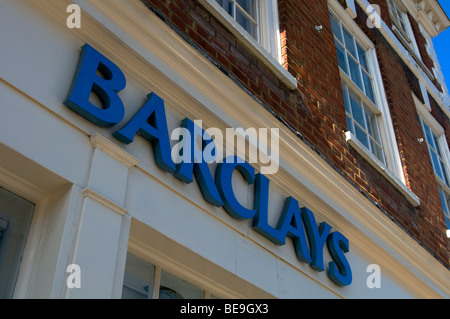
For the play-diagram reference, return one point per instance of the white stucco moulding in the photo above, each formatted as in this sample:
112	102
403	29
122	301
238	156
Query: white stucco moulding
101	142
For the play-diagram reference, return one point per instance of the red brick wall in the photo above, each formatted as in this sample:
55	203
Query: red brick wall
426	223
311	58
316	108
384	11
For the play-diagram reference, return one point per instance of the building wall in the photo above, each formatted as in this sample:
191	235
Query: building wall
426	222
98	198
316	108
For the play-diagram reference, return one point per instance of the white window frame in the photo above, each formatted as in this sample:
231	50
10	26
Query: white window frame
268	48
350	88
392	168
33	245
157	276
236	7
399	17
446	202
439	132
14	242
405	35
268	35
159	268
425	96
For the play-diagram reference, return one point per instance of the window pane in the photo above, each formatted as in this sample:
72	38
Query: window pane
352	58
138	279
438	151
174	288
435	153
15	219
368	86
349	43
227	5
350	125
346	98
442	169
249	6
361	136
444	173
362	58
374	132
336	28
445	201
369	123
372	126
436	165
246	23
403	24
447	221
441	162
377	151
341	56
400	18
357	111
245	12
428	135
347	109
355	74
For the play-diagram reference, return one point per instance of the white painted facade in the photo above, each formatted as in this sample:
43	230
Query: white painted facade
97	198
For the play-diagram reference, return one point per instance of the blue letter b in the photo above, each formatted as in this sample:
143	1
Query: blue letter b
86	80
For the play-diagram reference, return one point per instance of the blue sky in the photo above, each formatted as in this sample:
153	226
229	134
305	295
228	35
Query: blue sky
442	45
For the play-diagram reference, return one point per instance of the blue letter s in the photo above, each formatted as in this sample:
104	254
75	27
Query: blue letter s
339	269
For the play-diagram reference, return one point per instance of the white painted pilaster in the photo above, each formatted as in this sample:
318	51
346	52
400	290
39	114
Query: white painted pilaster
103	232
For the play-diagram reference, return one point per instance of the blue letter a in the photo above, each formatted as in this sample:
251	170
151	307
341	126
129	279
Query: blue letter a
86	81
194	162
150	122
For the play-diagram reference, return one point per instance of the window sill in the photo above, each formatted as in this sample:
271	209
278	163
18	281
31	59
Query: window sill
250	43
364	152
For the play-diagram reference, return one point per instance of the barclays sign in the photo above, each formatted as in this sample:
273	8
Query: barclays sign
295	222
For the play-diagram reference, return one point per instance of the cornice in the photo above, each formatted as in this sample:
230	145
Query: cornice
429	14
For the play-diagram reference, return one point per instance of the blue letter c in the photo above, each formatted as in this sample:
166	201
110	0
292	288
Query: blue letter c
224	174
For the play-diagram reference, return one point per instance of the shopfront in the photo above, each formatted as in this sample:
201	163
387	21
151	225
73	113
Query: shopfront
88	177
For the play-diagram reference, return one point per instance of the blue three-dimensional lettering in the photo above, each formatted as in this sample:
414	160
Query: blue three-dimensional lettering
295	222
